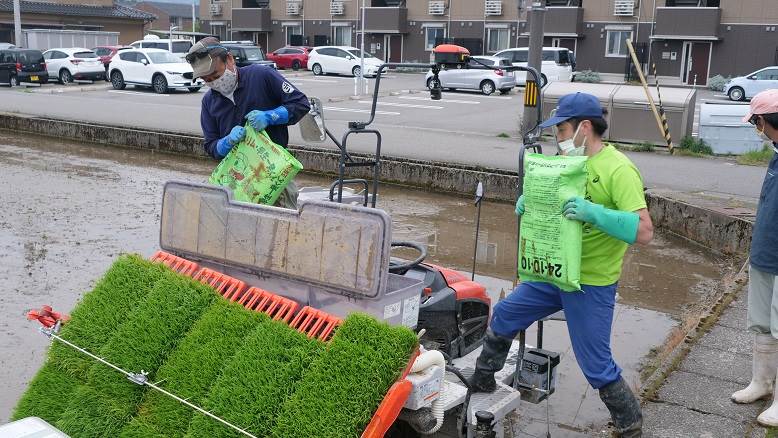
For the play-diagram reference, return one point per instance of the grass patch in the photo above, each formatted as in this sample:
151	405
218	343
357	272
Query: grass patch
757	157
106	404
693	147
125	284
191	370
344	386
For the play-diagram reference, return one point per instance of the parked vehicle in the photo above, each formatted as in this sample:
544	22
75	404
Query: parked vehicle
155	68
477	76
294	57
72	64
4	46
558	63
178	46
106	53
22	65
342	60
246	53
748	86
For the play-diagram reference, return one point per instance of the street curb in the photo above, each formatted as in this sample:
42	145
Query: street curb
71	89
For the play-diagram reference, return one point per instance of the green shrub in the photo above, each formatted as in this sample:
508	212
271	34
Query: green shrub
716	83
125	284
262	374
109	400
757	157
695	146
588	76
191	370
344	386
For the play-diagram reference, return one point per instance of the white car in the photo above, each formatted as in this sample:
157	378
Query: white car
155	68
557	63
72	64
342	60
178	46
748	86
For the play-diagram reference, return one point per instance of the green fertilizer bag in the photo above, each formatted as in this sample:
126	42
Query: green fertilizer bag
549	243
256	170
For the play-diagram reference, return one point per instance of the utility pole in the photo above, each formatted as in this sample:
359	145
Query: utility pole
194	18
18	24
535	15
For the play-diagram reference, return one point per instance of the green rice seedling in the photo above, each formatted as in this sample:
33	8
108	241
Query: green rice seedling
151	331
93	321
344	386
256	381
191	370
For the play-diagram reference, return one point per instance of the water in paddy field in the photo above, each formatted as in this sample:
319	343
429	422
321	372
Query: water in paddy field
69	209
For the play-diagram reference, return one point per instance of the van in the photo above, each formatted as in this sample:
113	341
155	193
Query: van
178	46
558	63
22	65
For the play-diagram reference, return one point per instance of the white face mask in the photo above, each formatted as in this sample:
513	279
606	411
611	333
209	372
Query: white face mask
569	147
224	84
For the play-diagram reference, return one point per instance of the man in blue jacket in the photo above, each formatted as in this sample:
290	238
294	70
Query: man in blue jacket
255	94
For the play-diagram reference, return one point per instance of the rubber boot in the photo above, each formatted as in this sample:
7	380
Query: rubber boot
770	416
492	359
624	408
765	365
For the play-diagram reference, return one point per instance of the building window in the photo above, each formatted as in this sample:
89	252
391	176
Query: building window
617	43
433	34
341	35
693	3
291	32
497	39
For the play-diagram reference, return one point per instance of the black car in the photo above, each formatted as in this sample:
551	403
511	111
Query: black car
246	53
22	65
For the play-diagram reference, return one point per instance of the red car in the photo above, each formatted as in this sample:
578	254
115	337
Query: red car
294	57
106	53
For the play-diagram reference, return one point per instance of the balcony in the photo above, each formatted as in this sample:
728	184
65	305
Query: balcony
436	7
386	20
493	8
687	23
336	7
251	19
563	21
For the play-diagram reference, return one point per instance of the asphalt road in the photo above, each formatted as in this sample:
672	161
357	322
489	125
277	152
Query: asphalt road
464	127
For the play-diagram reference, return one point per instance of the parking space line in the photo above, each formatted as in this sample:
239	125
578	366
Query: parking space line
404	105
137	93
427	99
329	81
360	111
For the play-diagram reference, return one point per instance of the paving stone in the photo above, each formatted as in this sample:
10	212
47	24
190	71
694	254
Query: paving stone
729	339
734	317
663	420
708	395
718	363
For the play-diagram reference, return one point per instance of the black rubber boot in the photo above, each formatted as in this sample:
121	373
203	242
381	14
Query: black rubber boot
492	359
624	408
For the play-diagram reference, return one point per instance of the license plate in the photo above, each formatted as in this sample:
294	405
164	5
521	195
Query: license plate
33	78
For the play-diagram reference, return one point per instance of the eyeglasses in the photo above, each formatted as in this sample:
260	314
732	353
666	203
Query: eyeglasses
753	119
202	53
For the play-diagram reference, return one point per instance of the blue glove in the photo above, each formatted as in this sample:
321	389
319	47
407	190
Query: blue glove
520	206
622	225
225	144
260	120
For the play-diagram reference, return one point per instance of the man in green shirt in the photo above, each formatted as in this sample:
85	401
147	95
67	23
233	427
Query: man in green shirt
614	216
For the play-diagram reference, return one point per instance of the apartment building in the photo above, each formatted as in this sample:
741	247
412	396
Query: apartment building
690	40
168	15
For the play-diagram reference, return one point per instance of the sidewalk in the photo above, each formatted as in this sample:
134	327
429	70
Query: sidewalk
715	361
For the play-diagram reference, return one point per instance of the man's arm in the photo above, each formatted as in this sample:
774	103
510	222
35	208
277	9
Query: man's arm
645	227
210	130
295	102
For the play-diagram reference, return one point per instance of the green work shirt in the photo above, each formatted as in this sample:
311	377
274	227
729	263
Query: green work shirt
615	183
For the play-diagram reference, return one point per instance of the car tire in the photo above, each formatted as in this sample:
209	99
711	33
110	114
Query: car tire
117	80
13	81
194	89
736	94
356	71
159	84
296	65
430	83
487	87
543	80
317	70
65	77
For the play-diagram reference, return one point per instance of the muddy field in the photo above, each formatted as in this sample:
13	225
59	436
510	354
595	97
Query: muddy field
67	210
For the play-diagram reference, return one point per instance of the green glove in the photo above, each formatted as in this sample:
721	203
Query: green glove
622	225
520	206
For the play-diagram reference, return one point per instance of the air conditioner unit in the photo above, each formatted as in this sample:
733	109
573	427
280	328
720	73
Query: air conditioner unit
336	7
493	7
293	7
624	8
216	9
436	7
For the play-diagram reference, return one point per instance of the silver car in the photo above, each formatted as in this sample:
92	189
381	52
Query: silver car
748	86
478	77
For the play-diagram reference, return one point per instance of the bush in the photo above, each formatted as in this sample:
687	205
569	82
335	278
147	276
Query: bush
757	157
588	76
716	83
695	146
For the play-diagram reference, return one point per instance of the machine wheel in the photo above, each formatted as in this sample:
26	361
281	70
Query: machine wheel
487	87
737	94
159	84
296	65
117	80
356	71
317	70
13	81
65	77
194	89
402	268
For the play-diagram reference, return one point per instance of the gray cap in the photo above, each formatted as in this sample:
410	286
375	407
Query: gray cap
200	56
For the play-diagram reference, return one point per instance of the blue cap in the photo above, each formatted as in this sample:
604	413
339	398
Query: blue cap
578	105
